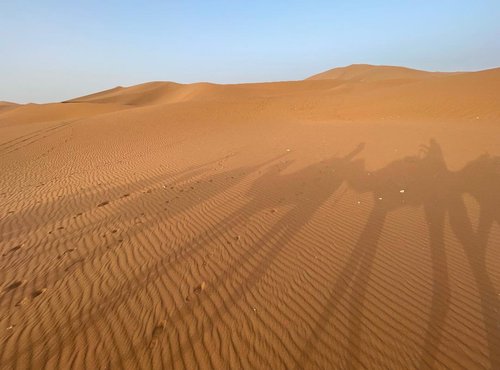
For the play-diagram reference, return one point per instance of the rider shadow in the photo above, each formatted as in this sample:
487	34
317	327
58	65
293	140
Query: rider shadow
422	181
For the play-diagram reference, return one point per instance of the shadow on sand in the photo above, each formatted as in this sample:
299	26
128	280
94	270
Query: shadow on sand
423	180
426	182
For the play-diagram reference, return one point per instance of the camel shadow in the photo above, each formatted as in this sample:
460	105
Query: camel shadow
422	180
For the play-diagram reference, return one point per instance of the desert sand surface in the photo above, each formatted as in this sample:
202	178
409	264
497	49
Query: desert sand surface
346	221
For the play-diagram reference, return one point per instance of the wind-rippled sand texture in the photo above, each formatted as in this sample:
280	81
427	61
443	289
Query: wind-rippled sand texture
347	221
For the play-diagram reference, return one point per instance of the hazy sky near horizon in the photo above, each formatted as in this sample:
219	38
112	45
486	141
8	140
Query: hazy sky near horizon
53	50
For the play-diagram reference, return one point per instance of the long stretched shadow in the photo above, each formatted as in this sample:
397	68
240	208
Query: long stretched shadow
481	179
390	188
421	180
426	182
284	190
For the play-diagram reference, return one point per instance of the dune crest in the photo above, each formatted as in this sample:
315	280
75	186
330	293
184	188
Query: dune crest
370	73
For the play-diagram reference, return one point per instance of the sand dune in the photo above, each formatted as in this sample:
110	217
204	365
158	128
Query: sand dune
370	73
36	113
4	106
346	221
144	94
383	92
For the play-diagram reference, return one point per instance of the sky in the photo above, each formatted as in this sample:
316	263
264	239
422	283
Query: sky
52	50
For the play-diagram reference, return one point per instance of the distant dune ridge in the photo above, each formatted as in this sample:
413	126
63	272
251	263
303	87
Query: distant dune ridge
370	73
349	220
5	105
357	91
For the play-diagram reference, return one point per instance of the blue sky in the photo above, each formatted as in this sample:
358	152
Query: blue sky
52	50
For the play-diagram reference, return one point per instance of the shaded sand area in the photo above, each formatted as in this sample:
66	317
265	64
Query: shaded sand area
346	221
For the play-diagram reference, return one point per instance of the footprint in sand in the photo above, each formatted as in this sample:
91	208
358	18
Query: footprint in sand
74	264
34	294
17	247
38	292
198	289
14	285
22	302
65	252
157	331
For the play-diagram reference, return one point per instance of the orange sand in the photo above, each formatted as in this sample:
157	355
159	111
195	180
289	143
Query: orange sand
350	220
